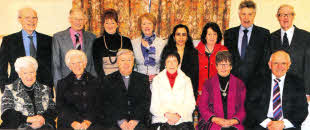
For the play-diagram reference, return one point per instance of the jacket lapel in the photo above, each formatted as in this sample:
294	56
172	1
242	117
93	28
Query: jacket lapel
231	96
67	43
20	44
218	109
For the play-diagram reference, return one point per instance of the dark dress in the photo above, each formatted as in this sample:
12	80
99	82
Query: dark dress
37	101
77	100
100	51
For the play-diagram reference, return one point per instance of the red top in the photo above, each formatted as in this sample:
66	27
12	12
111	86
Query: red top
172	77
206	69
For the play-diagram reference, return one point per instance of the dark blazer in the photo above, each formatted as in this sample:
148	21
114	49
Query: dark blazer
131	104
255	62
299	57
294	102
78	100
12	48
190	65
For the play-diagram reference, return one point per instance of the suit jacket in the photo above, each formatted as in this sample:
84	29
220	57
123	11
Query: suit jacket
13	48
159	44
298	51
131	104
179	99
62	43
294	102
255	62
189	65
78	100
210	103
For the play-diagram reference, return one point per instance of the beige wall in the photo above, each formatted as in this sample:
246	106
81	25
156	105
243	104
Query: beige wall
53	14
266	10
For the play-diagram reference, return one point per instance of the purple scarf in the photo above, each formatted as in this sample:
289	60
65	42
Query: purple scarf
149	52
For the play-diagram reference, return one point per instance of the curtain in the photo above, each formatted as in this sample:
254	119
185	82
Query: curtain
193	13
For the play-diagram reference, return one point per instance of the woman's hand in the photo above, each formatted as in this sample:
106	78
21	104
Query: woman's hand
223	122
151	77
173	118
36	121
76	125
85	124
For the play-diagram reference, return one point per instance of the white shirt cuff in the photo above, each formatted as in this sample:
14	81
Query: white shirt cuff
265	122
287	124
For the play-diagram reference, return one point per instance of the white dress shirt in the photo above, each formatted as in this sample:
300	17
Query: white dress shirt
287	123
240	37
289	33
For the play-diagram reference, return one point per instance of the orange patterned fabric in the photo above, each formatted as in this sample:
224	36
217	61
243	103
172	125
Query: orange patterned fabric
193	13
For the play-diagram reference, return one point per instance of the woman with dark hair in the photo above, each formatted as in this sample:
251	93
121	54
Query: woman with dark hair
207	48
222	101
173	101
106	46
181	42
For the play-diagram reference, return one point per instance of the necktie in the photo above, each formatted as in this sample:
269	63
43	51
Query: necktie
77	41
285	41
277	107
244	43
32	47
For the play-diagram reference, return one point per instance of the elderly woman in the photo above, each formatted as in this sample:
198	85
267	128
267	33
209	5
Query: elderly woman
182	42
207	48
148	47
222	101
173	100
76	95
27	103
106	46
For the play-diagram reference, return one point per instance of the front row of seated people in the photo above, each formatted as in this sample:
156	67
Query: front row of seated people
123	99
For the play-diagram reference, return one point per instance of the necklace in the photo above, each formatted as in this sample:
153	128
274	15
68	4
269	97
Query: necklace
209	50
224	91
105	44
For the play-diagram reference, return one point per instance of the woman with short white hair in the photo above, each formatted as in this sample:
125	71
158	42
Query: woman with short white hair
76	95
27	103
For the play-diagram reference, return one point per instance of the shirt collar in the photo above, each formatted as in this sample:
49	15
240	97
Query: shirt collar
74	32
289	31
25	34
249	28
281	78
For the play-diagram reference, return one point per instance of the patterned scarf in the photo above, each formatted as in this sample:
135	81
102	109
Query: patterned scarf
149	52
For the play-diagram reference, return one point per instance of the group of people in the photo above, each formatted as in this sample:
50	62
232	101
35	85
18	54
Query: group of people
255	80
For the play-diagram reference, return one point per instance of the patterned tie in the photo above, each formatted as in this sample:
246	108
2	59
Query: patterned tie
32	47
277	107
77	41
244	43
285	41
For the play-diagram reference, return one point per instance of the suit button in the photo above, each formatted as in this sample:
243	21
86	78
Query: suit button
206	67
128	112
84	93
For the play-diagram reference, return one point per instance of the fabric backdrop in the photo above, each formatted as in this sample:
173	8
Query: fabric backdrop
193	13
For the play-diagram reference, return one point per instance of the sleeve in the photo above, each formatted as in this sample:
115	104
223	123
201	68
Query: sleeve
307	70
156	109
66	113
162	60
143	105
51	113
97	59
187	108
4	59
228	39
56	59
203	105
240	115
91	60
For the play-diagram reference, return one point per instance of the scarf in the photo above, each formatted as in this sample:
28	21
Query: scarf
149	52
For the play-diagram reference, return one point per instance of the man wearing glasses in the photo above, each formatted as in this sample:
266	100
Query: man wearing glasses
295	41
26	42
72	38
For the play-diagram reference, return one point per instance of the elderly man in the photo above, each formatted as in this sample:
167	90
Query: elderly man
295	41
277	100
26	103
247	43
27	42
77	95
72	38
127	95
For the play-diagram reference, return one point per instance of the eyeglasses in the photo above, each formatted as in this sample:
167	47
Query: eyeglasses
286	15
77	19
223	65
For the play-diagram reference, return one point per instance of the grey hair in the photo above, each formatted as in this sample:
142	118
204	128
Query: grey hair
124	51
24	62
72	53
23	9
286	5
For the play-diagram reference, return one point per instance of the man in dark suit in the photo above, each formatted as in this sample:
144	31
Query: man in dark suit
127	95
277	100
72	38
247	43
294	40
27	42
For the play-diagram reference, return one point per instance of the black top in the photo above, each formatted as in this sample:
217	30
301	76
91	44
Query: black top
223	81
113	42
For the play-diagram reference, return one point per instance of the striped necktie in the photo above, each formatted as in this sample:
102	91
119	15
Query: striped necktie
77	41
277	106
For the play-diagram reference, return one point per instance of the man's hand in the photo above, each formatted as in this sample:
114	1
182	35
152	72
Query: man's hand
85	124
308	98
173	118
275	125
132	124
125	126
76	125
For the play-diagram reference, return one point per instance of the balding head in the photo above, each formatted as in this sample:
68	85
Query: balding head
279	63
28	18
77	19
